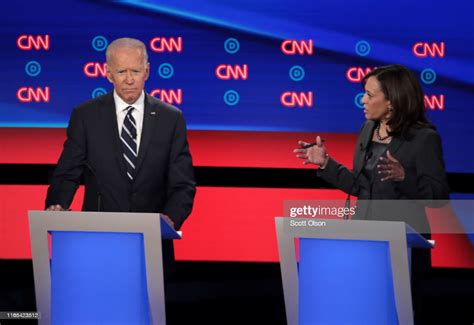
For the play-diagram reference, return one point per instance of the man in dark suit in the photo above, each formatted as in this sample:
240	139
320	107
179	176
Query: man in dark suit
131	148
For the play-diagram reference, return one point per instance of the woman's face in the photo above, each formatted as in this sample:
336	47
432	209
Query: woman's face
376	107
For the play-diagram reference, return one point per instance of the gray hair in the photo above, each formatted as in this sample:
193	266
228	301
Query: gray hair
125	42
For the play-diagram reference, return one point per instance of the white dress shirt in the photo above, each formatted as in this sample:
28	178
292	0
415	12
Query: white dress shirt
138	112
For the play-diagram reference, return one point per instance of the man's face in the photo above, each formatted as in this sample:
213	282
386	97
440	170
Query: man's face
128	71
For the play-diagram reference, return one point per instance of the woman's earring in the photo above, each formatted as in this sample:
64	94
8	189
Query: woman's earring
389	113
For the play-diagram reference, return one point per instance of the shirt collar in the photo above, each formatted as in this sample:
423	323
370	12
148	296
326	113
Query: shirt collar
121	105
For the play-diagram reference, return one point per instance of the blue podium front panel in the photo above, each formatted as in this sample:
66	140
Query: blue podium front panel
98	278
345	282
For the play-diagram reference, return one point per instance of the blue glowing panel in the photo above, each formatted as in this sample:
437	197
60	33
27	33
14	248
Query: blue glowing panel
98	278
345	282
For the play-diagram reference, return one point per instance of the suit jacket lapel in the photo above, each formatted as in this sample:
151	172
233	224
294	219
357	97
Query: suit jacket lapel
111	129
149	123
362	145
394	145
364	141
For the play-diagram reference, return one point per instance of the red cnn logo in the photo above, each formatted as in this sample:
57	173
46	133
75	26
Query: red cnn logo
356	74
293	99
227	72
292	47
434	102
423	50
95	69
163	44
169	96
29	42
29	94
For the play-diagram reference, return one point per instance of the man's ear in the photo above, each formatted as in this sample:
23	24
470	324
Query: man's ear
147	70
108	73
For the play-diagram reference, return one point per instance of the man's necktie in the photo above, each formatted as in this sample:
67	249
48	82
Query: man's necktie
128	137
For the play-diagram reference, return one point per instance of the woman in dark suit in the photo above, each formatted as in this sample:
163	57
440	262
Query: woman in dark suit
398	154
398	161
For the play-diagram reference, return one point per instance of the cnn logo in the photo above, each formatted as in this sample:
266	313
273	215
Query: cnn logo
424	49
95	69
236	72
164	44
297	99
356	74
293	47
171	96
30	42
434	102
30	94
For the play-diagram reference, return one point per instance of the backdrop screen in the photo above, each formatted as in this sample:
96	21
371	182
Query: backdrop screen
244	65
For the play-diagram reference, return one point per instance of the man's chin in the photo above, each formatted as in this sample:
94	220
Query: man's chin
129	99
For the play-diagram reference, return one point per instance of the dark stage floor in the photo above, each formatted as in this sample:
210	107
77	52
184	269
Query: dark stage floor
246	293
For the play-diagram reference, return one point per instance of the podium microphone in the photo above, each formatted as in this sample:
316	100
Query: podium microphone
348	199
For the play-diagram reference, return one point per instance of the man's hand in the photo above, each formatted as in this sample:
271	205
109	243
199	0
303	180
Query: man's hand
55	207
168	220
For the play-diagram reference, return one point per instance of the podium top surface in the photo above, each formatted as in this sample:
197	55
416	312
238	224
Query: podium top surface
350	229
102	222
414	239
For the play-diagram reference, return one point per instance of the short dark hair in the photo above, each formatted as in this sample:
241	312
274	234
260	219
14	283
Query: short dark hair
404	92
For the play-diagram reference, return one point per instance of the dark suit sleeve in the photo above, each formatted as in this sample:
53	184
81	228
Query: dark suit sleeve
430	178
339	176
67	175
181	184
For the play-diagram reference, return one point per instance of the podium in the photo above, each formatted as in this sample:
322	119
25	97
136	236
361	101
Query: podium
99	267
349	272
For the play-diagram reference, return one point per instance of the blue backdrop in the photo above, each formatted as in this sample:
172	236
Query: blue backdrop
345	34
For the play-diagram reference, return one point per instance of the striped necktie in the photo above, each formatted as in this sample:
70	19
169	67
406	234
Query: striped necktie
128	137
